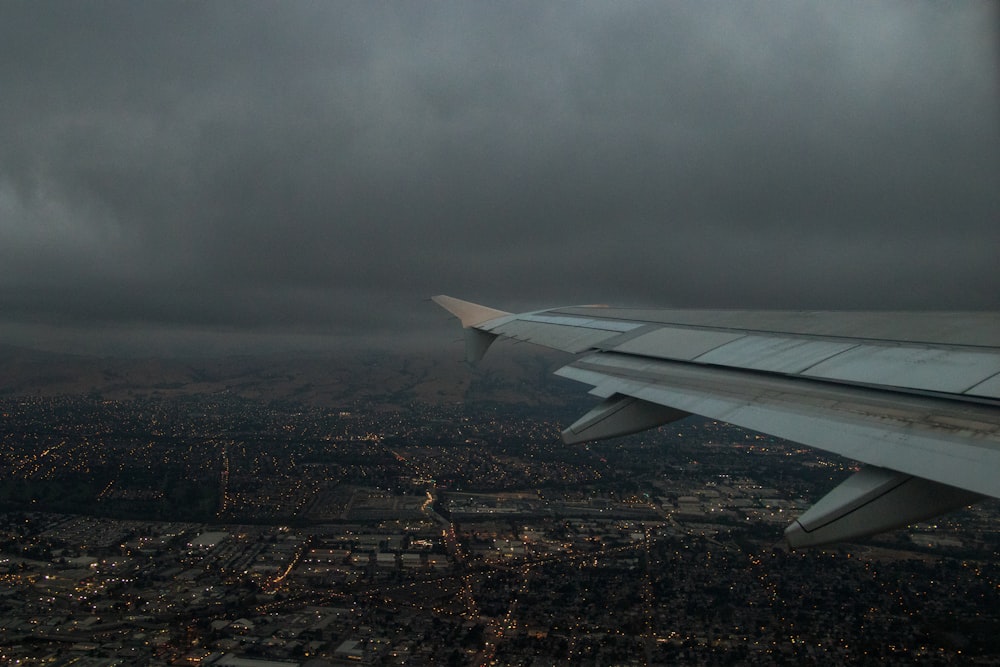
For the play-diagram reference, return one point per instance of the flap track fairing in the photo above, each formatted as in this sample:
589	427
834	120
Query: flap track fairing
871	501
619	415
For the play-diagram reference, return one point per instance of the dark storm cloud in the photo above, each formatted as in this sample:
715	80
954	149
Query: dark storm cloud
318	169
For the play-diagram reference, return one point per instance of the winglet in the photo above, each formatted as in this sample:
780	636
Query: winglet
477	341
469	313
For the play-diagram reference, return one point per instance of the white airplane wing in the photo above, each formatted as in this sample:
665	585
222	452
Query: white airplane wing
913	396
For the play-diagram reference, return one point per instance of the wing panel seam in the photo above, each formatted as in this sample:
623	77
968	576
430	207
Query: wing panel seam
824	360
981	382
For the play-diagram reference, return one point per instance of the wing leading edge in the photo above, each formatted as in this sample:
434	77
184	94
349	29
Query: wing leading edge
915	397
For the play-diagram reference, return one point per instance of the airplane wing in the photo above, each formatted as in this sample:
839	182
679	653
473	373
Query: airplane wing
913	396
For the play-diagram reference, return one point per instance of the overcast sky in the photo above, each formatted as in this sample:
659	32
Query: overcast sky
235	174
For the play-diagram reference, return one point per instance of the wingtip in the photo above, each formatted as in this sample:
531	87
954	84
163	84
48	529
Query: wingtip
469	313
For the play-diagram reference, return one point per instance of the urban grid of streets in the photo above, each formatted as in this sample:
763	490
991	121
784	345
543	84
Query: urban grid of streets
220	531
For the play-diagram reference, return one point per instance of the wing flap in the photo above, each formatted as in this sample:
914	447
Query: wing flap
938	439
949	371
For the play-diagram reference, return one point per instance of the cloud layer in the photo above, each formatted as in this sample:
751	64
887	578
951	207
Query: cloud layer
245	171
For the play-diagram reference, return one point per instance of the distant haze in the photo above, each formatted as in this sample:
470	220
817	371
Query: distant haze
239	176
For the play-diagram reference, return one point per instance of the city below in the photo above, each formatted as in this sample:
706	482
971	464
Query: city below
218	529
